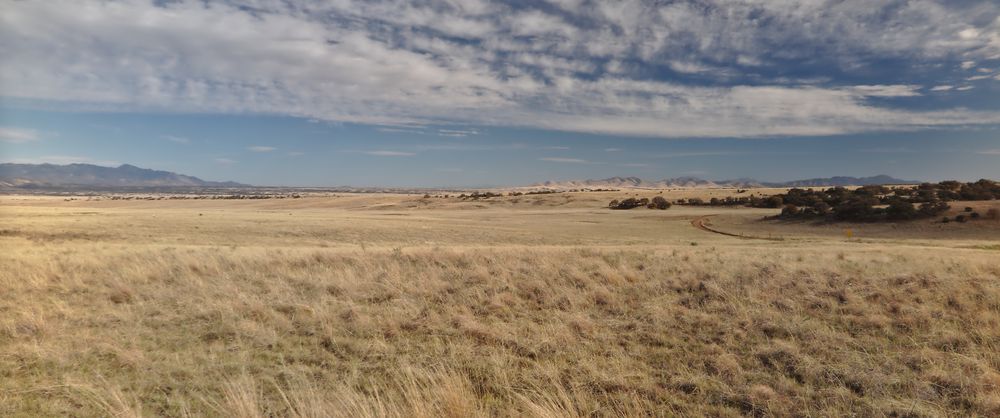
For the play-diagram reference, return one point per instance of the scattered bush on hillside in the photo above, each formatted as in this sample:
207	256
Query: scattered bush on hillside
879	203
629	203
865	204
478	195
658	202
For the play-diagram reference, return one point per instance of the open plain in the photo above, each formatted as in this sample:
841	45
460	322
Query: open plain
536	305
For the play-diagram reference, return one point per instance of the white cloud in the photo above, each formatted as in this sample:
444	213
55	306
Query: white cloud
225	161
457	132
261	148
887	91
18	135
697	154
942	88
565	160
407	65
384	153
416	130
64	159
970	33
612	149
889	150
965	88
989	152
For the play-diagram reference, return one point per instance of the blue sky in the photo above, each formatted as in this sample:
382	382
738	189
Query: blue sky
471	93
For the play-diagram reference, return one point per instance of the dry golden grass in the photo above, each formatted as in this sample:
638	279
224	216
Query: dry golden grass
556	312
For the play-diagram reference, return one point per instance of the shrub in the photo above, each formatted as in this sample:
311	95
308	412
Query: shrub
974	215
933	208
659	202
960	218
789	211
821	208
629	203
968	209
857	208
900	209
945	220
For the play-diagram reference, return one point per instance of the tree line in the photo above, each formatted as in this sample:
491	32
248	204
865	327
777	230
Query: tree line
865	204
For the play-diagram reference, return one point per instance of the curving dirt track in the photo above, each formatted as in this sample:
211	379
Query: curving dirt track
701	223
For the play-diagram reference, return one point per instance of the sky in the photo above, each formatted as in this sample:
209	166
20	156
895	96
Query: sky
474	93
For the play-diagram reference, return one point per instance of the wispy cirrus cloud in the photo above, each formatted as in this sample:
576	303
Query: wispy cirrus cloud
989	152
565	160
584	68
698	154
387	153
457	132
888	150
261	148
18	135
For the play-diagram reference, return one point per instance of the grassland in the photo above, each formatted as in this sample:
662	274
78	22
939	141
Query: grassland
548	305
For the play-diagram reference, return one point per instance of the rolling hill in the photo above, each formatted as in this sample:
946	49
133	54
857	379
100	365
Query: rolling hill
89	175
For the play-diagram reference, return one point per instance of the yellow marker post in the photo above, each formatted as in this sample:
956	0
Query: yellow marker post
849	233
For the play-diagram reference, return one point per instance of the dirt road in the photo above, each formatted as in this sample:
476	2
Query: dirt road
702	223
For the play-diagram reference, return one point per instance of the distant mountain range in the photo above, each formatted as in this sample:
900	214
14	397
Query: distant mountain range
89	175
694	182
41	176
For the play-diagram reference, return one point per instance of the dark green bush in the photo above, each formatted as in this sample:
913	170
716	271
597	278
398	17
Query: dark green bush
659	202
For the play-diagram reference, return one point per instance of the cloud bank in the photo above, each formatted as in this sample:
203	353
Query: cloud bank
709	68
